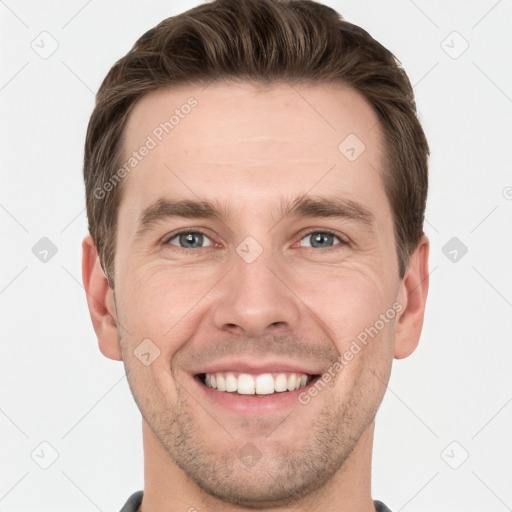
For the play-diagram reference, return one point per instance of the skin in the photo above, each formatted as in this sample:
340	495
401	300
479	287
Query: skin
249	146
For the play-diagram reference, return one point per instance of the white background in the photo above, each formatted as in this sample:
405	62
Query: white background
57	387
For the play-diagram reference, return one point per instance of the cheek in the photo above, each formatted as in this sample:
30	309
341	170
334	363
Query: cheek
355	309
347	301
153	388
160	302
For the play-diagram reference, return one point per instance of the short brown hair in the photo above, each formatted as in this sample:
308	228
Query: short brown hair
267	41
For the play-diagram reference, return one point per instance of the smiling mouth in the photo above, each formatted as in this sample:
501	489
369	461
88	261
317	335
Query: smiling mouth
263	384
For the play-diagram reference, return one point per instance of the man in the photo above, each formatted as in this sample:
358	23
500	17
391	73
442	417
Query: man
256	180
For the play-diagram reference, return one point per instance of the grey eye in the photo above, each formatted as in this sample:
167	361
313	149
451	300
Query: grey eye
319	239
190	240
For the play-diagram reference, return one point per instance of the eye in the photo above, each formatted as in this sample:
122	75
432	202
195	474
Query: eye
190	240
321	239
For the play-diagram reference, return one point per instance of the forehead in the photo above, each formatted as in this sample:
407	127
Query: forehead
236	140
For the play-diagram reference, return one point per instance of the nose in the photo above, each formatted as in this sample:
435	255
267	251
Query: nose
256	298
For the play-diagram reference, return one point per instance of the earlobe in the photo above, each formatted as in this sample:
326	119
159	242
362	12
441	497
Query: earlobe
100	301
413	297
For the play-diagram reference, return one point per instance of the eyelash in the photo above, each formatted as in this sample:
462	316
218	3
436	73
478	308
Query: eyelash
342	239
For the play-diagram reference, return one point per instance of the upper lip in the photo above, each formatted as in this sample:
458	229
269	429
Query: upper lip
256	368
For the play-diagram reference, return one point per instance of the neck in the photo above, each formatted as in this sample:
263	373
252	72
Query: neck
167	487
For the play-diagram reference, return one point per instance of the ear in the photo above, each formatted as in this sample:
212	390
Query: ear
413	297
100	300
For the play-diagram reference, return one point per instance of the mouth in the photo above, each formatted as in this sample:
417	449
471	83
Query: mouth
253	388
255	385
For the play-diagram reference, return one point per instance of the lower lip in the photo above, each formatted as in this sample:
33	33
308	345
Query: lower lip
253	404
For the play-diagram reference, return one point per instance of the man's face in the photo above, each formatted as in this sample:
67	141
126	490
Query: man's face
253	291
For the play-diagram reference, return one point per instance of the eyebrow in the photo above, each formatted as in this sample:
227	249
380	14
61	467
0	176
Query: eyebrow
302	206
332	206
165	209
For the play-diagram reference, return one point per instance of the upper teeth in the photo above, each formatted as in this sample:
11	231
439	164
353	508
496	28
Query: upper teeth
263	384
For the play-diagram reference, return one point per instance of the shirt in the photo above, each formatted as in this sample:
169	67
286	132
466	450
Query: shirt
134	501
